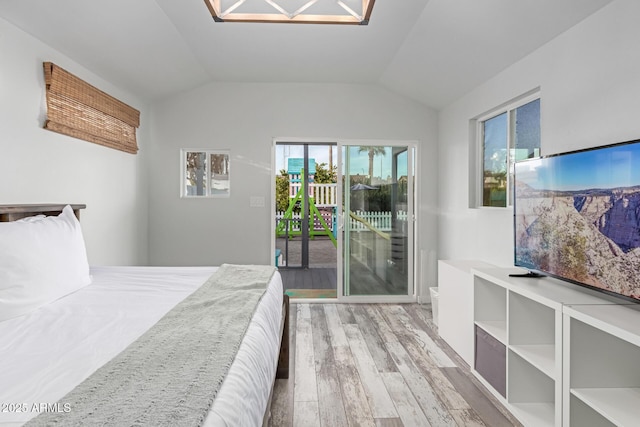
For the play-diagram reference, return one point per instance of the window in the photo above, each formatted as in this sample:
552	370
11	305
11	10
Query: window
205	173
507	136
354	12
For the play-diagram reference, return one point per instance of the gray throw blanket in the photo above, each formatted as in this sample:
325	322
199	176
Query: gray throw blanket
171	375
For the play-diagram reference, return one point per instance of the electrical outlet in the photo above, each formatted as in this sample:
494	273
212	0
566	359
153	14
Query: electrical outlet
256	202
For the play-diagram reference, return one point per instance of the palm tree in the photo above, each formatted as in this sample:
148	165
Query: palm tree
372	151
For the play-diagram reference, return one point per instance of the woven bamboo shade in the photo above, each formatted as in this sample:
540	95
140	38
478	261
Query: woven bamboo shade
77	109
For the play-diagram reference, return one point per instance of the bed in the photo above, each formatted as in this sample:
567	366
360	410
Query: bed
59	353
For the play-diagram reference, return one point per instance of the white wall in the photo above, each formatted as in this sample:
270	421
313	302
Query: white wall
590	96
40	166
245	118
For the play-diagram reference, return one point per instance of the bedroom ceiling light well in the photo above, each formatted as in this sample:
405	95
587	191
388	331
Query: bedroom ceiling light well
353	12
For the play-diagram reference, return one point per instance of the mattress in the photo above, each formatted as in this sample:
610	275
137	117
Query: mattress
45	354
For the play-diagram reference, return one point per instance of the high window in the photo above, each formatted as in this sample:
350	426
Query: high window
205	173
506	136
350	12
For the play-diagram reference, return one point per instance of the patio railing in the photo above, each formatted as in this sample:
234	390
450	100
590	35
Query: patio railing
379	220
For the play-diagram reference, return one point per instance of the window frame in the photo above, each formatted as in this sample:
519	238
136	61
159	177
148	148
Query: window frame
478	141
208	172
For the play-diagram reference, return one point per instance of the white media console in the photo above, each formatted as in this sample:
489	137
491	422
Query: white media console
455	305
554	353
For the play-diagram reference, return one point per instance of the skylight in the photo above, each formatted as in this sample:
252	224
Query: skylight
354	12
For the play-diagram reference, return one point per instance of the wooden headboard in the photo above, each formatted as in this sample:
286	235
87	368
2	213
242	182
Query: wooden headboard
14	212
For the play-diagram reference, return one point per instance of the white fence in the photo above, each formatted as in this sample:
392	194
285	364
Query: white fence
379	220
323	194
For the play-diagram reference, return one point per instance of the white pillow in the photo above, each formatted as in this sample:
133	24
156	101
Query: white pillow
40	262
31	218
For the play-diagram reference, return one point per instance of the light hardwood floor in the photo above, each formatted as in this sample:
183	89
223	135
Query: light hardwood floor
378	365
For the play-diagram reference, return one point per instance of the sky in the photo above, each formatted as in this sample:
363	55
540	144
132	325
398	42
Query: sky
608	167
359	161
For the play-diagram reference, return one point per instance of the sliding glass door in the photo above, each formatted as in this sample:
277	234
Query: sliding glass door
377	222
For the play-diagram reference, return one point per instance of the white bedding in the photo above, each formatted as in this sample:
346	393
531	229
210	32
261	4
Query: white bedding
45	354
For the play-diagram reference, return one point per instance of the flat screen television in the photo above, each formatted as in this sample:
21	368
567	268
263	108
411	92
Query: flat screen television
577	217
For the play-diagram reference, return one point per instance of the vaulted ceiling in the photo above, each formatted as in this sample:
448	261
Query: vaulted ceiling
433	51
